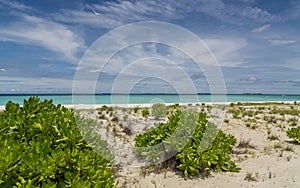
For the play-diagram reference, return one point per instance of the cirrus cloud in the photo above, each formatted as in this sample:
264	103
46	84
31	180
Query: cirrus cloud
281	42
260	29
44	33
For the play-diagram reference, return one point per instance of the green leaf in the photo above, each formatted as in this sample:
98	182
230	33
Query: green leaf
186	174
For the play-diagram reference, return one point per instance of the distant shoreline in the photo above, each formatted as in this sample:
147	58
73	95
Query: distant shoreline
147	105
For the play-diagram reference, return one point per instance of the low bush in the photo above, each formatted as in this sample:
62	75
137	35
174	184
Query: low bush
145	112
207	148
159	111
41	146
294	133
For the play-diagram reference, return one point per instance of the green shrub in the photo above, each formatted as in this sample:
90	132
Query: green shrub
159	111
155	136
145	112
293	121
207	148
294	133
136	109
106	109
41	146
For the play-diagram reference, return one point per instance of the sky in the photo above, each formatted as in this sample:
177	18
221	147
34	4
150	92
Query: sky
44	44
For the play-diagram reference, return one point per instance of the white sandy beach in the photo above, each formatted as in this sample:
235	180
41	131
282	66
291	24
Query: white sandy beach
144	105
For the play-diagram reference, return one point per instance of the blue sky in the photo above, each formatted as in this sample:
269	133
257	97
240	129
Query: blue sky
256	43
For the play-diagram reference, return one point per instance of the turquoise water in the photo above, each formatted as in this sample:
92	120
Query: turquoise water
139	99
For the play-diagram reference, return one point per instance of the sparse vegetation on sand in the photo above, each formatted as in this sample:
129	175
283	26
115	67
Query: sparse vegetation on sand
264	144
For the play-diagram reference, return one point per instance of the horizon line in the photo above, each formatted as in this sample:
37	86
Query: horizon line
69	94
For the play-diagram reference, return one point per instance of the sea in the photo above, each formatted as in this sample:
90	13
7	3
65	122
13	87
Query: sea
147	98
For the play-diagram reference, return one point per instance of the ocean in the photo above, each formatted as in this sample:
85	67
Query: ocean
147	98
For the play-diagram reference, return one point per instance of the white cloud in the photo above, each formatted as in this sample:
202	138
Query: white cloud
15	90
87	18
292	63
226	50
281	42
159	68
14	5
23	84
251	79
113	14
256	13
260	29
117	13
44	33
233	14
2	70
170	65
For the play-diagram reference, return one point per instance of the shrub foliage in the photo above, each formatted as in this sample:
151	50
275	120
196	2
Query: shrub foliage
159	111
207	149
294	133
41	146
